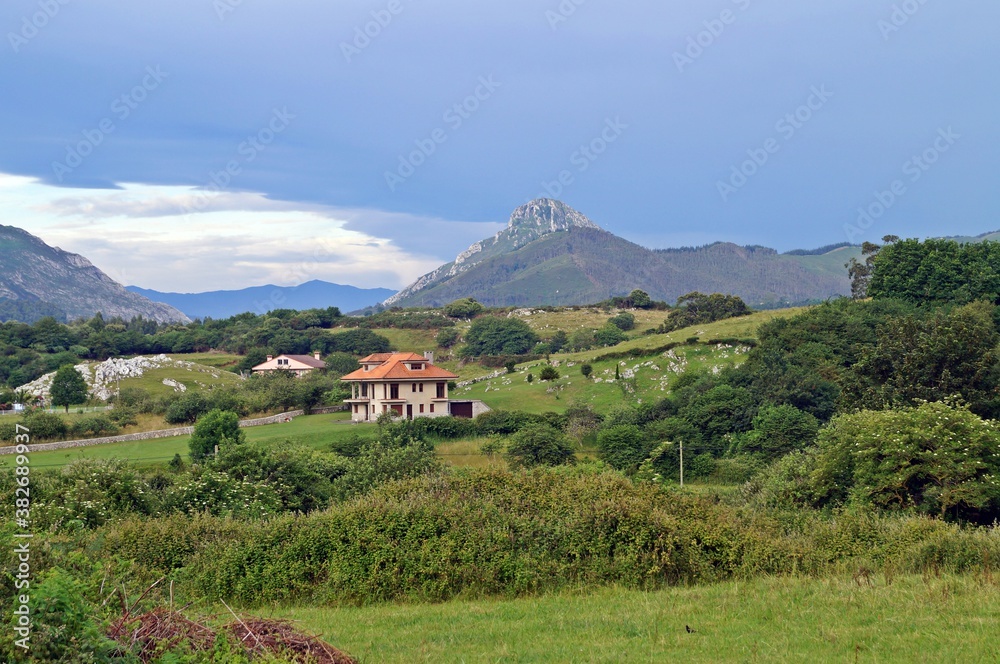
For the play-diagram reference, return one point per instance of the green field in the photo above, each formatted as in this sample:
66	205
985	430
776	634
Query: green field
653	373
194	377
912	619
316	431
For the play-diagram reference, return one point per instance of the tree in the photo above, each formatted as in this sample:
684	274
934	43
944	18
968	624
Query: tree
861	273
498	336
778	430
447	337
930	359
624	321
558	341
609	335
640	299
216	427
698	308
539	445
586	370
549	373
68	387
464	308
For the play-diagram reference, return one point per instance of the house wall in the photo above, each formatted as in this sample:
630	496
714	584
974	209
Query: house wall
381	403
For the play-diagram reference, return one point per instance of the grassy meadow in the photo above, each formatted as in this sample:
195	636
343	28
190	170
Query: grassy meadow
790	619
316	431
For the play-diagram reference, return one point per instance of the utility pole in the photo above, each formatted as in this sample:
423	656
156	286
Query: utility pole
682	464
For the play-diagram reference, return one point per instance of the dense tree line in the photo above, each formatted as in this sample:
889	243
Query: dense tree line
28	351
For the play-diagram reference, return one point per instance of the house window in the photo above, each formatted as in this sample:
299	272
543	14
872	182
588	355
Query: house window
364	390
421	408
432	408
440	390
355	409
421	387
414	387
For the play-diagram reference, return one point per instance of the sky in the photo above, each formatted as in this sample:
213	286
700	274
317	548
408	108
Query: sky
192	145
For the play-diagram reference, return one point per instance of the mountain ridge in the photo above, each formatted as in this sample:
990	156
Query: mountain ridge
315	294
36	277
550	254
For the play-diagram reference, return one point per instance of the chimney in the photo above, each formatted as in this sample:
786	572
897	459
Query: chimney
316	355
270	357
429	356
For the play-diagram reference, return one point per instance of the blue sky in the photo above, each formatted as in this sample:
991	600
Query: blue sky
202	144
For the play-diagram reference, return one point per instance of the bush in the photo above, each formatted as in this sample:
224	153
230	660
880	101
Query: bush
63	627
538	445
447	337
623	321
95	426
44	426
777	430
498	336
549	373
623	447
609	335
187	408
465	308
586	370
937	459
216	429
503	422
123	416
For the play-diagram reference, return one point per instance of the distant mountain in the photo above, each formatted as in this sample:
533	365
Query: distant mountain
261	299
552	254
38	280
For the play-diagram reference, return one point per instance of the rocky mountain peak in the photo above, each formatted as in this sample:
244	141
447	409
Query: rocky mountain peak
547	215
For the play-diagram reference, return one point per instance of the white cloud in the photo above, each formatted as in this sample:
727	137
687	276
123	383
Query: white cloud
183	239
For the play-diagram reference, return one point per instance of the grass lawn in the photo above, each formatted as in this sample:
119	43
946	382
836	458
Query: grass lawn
652	378
914	619
316	431
217	359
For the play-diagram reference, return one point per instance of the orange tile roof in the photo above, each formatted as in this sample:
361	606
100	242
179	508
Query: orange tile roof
394	368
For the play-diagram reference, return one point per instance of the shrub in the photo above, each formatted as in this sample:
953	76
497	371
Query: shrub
63	628
530	378
936	459
498	336
777	430
549	373
586	370
44	425
504	422
216	429
464	308
447	337
538	445
94	426
123	416
623	447
624	321
187	408
609	335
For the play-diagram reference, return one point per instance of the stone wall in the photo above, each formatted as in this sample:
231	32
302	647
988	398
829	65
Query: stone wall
146	435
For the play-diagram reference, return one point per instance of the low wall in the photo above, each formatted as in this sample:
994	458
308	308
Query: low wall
146	435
